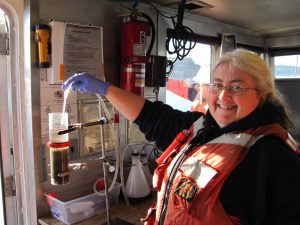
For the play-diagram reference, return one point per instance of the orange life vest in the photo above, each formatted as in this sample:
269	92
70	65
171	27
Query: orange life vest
194	192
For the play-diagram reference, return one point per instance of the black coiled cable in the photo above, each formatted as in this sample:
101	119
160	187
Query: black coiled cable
181	39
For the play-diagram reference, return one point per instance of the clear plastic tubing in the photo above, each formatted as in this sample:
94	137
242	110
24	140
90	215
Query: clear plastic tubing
66	94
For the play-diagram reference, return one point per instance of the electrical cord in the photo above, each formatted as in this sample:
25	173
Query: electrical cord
181	40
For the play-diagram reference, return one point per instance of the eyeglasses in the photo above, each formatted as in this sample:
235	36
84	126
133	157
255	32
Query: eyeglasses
233	89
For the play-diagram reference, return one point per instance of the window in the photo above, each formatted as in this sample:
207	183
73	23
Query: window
287	66
184	89
8	203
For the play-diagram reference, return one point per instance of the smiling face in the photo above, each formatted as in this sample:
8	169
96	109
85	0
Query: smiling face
227	108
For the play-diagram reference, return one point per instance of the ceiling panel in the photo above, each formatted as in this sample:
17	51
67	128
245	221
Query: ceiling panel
264	17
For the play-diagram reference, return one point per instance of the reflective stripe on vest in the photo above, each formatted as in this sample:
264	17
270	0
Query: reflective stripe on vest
197	125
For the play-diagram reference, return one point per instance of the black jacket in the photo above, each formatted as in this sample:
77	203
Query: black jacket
264	188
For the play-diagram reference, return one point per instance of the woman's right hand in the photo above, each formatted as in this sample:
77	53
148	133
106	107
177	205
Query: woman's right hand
86	83
127	103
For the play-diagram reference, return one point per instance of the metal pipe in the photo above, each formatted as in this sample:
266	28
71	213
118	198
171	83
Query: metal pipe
76	126
81	166
105	165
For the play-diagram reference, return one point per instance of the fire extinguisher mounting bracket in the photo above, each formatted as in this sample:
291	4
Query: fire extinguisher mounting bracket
137	59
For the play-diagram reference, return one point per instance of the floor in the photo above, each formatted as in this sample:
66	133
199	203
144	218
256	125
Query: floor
120	215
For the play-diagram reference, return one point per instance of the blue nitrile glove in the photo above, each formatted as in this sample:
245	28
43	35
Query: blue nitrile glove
86	83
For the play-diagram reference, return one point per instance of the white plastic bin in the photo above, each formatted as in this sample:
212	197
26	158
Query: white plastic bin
82	208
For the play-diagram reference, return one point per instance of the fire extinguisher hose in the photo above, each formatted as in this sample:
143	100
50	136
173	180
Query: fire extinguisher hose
150	21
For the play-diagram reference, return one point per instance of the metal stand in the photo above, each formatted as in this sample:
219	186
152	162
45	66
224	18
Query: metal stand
78	166
105	165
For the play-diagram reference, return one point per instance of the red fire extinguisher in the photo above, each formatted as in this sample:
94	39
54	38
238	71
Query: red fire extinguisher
134	54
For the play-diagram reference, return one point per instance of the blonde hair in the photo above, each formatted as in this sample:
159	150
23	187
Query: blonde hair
256	67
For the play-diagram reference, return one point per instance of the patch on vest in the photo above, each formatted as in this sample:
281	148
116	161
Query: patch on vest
186	190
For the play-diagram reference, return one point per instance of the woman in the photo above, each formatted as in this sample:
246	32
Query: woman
234	165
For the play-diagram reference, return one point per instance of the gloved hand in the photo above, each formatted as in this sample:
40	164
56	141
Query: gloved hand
85	82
